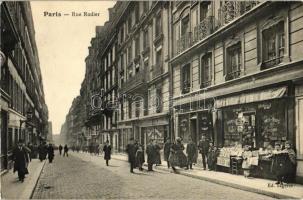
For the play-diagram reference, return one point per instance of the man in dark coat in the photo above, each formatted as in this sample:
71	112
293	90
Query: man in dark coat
203	147
65	151
42	149
151	155
50	152
131	150
20	158
107	152
191	151
60	149
166	148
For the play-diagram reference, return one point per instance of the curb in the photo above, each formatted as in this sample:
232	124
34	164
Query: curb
232	185
36	183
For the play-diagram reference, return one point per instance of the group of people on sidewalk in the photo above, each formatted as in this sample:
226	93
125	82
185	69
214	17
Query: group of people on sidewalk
23	154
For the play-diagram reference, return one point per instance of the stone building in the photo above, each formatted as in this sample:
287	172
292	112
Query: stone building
24	114
237	73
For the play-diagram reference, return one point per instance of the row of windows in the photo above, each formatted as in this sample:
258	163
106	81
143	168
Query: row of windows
273	48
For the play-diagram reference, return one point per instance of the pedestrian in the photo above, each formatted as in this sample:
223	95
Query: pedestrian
65	153
42	149
212	157
177	158
140	157
279	159
191	151
166	149
203	147
60	149
107	151
151	155
20	158
290	168
158	155
50	152
131	150
31	147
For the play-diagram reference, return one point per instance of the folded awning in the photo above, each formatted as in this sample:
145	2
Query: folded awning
251	97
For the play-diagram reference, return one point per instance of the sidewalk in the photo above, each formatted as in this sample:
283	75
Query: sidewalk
260	186
11	188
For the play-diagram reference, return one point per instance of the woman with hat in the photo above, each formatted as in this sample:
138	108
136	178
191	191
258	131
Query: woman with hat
177	157
279	159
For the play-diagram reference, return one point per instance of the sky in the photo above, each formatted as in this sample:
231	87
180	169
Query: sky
62	46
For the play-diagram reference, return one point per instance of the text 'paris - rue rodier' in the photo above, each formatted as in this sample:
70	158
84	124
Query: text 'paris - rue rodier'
73	14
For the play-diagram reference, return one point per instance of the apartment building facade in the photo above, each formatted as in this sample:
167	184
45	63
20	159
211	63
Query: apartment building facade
237	73
24	114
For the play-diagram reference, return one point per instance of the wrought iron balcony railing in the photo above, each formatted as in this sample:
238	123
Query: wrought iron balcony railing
157	71
233	9
233	75
184	42
135	81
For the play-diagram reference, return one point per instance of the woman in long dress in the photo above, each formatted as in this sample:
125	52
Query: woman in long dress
177	157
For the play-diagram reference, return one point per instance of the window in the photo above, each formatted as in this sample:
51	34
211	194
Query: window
273	45
204	9
185	78
234	59
145	39
129	24
158	25
137	15
137	46
159	58
158	100
122	34
129	109
145	6
206	64
129	54
185	25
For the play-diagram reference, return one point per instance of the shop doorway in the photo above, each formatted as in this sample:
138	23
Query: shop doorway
246	126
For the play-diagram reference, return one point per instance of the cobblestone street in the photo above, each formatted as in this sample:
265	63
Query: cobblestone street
85	176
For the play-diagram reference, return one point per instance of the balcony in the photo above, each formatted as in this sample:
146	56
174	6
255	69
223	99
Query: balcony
157	71
205	28
232	75
136	83
184	42
233	9
205	84
186	87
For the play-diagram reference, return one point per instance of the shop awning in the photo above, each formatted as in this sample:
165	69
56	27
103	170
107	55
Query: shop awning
251	97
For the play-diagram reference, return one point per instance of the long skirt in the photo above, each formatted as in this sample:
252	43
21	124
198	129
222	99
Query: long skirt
178	159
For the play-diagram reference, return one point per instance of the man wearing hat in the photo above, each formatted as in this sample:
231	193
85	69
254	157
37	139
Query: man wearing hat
131	150
20	158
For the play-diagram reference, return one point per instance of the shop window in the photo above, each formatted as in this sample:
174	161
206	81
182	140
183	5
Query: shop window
185	78
273	45
206	64
158	28
234	59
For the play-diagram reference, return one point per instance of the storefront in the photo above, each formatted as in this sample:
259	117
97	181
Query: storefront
258	119
156	133
195	124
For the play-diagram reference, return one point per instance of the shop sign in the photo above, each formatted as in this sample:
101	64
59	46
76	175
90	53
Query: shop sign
265	106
